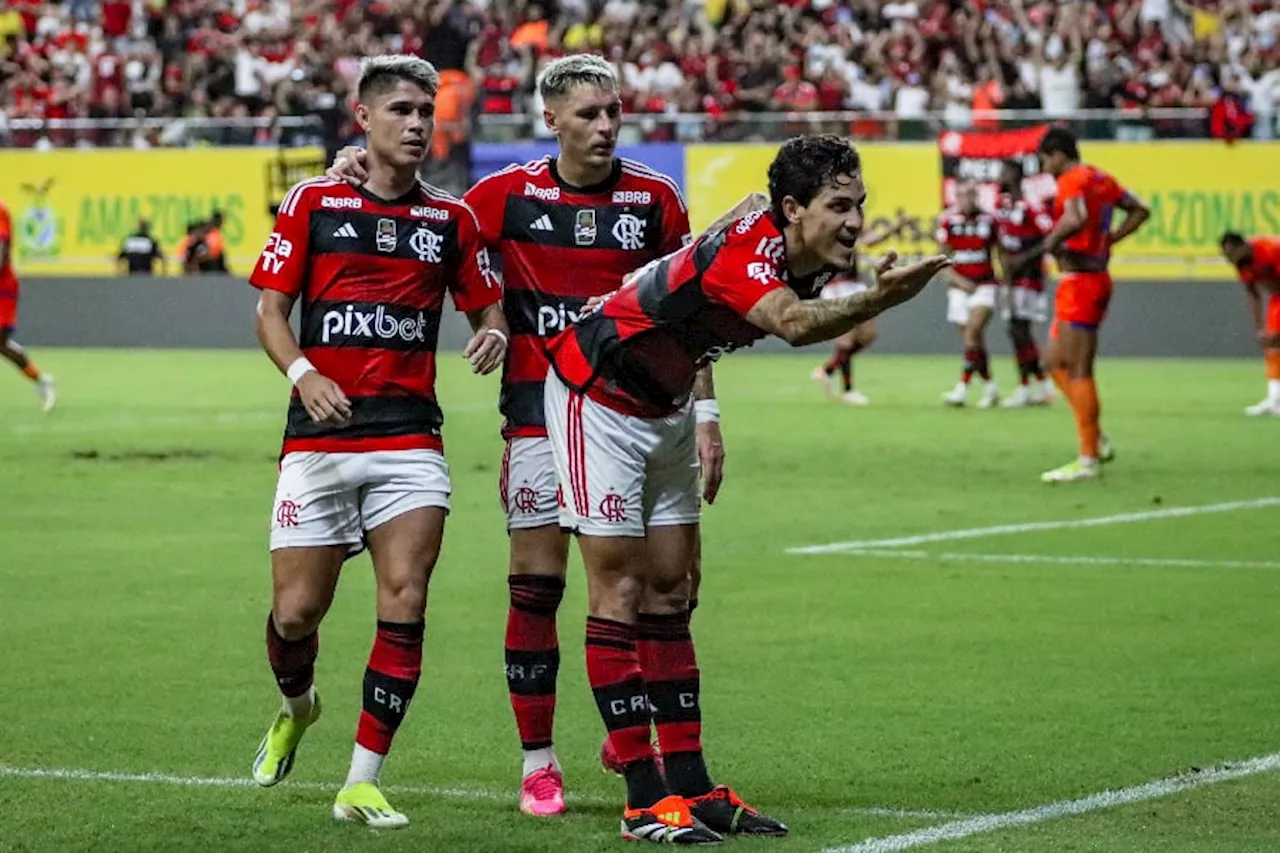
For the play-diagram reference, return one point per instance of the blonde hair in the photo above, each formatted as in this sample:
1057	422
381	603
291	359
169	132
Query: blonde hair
565	73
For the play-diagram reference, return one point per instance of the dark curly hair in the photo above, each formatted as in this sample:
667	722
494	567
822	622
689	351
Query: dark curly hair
1060	140
806	164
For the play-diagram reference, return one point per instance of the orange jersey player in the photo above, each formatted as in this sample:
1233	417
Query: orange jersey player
1081	239
1257	261
10	348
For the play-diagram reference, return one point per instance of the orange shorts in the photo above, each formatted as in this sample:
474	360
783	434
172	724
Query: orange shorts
8	314
1273	315
1081	300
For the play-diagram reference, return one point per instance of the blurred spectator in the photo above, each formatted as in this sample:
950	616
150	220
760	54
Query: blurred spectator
725	60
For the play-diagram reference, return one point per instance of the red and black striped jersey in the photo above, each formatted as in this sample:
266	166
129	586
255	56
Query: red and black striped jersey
639	350
371	275
968	238
1021	224
559	245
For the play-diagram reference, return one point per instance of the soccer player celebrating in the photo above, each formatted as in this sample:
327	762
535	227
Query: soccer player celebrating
1081	239
968	233
861	337
1019	224
621	422
566	229
362	461
1258	263
10	348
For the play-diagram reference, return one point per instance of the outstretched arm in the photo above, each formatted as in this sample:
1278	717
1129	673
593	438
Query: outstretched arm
800	322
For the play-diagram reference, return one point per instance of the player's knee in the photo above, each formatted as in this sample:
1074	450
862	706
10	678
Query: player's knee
866	335
297	616
542	551
673	600
403	597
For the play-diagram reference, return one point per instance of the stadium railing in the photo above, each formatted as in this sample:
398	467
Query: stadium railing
743	126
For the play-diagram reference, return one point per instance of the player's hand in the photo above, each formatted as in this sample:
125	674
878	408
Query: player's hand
898	284
348	166
323	399
486	351
711	458
594	302
1268	340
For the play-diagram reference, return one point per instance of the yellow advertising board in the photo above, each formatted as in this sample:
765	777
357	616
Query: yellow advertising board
72	209
1196	190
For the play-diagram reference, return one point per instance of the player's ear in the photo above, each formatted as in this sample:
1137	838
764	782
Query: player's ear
549	119
362	117
791	209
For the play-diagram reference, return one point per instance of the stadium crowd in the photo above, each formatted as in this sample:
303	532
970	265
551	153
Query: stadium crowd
730	61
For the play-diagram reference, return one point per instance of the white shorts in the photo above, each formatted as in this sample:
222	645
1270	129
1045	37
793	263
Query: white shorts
1026	304
841	289
618	473
959	303
335	498
527	484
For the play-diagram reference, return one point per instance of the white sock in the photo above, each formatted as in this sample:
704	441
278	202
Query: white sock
300	706
991	386
365	766
536	759
1273	390
1089	461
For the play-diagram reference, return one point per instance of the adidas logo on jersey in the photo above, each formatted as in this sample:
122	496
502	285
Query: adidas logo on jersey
542	223
347	230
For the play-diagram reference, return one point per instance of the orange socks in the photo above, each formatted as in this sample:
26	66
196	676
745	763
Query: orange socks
1272	358
1083	394
31	371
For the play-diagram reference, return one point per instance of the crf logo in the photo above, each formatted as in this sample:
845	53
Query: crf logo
275	253
427	245
553	318
524	500
613	508
544	193
372	324
629	232
635	704
394	703
287	514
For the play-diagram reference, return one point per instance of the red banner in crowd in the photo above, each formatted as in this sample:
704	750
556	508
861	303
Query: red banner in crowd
978	156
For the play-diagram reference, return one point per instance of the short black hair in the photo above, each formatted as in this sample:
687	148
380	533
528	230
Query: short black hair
1060	140
1014	166
806	164
1231	238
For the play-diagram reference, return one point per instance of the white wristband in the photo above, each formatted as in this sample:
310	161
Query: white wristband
300	368
706	411
498	333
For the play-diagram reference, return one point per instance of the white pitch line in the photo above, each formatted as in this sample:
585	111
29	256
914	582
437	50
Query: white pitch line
1035	526
1081	559
77	775
983	824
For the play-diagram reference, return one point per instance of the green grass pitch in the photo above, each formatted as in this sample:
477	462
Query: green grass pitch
855	696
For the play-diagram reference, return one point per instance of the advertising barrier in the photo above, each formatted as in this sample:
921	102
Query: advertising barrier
1196	190
71	209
